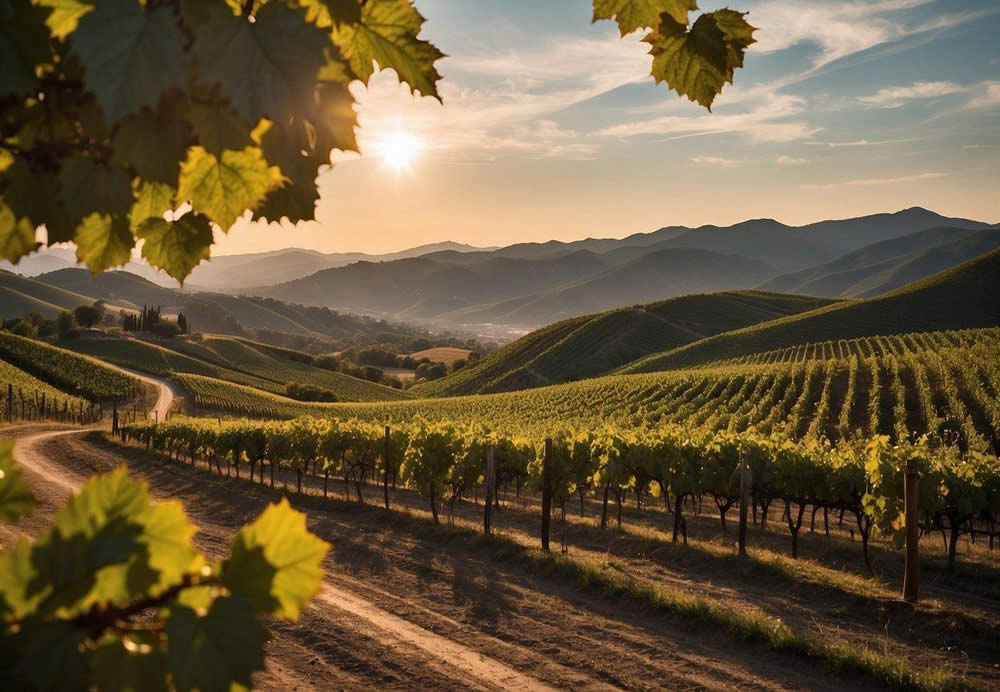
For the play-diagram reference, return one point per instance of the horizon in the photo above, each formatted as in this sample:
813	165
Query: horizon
550	130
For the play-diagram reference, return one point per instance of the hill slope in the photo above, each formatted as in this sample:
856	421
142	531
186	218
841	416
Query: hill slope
20	295
960	298
887	265
594	345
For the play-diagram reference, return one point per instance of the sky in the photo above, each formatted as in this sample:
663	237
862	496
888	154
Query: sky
551	128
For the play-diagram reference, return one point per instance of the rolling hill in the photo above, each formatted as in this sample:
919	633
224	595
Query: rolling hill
963	297
530	284
594	345
20	295
887	265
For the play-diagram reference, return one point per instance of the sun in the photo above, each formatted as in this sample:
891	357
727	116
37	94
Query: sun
398	150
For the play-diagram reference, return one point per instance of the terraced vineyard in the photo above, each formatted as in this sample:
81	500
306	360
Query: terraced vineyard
27	392
68	371
231	360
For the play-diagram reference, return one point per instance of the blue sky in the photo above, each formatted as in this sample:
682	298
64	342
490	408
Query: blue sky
551	127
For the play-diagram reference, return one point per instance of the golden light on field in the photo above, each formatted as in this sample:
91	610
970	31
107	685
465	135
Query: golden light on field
398	150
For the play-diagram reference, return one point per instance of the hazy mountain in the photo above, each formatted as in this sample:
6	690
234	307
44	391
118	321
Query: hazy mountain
886	265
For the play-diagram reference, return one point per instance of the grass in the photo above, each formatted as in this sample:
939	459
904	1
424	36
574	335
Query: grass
963	297
594	345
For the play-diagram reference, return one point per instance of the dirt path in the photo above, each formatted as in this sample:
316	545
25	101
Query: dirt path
165	389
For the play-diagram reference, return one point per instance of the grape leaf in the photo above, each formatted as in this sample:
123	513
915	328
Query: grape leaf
48	657
89	187
276	563
326	13
211	652
6	159
139	666
151	200
387	35
151	143
334	119
639	14
109	544
739	36
33	195
103	241
131	55
697	63
214	122
176	247
17	239
16	499
223	189
24	43
65	15
289	148
268	67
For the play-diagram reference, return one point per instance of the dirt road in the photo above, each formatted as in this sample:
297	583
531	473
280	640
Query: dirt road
403	606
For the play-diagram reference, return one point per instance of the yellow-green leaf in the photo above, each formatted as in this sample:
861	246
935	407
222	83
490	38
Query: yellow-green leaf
176	247
151	200
387	35
223	188
153	144
131	54
17	236
639	14
86	186
134	662
16	499
103	241
214	122
326	13
276	563
65	15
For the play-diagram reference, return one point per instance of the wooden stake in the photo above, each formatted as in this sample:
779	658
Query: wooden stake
911	570
385	481
744	503
490	485
546	493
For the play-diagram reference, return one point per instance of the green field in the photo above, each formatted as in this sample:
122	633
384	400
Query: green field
31	388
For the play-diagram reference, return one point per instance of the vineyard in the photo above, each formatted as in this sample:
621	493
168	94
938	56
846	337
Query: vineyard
27	398
231	360
78	375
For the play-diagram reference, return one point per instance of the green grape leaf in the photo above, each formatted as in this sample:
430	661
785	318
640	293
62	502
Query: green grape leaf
334	119
109	544
639	14
288	147
134	662
65	15
326	13
214	122
276	562
17	239
222	189
47	656
16	499
86	186
698	63
103	241
33	194
24	43
267	67
131	55
152	144
387	35
176	247
151	200
211	652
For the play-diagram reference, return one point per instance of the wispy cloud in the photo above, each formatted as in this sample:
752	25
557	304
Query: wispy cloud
876	181
790	160
719	161
894	97
988	96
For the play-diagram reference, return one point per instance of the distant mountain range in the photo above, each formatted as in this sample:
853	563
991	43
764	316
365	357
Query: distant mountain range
531	284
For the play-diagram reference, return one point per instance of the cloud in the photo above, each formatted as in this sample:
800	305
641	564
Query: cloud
988	97
894	97
876	181
767	122
790	160
716	161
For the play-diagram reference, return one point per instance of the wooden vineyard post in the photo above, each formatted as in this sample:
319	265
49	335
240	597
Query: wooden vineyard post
114	417
491	475
385	480
744	503
42	407
10	402
546	493
911	571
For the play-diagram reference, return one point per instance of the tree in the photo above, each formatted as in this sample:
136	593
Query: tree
86	316
117	113
182	323
65	325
